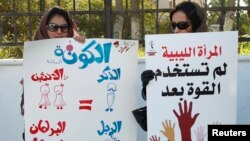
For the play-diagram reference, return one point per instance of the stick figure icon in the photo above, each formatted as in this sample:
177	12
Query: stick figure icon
111	88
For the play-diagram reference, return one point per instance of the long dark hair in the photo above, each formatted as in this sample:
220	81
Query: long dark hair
194	13
41	32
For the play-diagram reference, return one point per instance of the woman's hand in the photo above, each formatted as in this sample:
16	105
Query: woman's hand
78	37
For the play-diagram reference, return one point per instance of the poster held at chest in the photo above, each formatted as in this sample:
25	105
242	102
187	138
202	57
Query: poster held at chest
76	92
195	84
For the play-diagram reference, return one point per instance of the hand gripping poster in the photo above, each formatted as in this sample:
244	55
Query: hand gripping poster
80	92
195	84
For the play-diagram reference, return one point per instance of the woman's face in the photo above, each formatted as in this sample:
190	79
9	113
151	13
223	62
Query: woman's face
57	27
180	23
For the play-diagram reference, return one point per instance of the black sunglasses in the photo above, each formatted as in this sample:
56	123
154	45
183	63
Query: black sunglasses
54	27
181	25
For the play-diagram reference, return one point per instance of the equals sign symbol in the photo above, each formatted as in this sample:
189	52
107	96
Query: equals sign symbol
85	104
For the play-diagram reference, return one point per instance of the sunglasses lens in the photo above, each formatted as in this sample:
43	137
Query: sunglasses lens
181	25
174	25
55	27
64	28
52	27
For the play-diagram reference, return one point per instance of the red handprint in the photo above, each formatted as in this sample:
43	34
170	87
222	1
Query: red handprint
186	121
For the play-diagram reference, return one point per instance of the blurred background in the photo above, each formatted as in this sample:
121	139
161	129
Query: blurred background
121	19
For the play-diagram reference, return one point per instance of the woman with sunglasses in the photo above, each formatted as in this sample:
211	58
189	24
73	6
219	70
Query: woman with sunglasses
186	17
55	23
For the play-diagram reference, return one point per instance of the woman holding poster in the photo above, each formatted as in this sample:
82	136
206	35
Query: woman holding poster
55	23
186	17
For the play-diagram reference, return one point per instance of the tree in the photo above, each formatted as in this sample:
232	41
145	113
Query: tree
119	21
135	20
130	21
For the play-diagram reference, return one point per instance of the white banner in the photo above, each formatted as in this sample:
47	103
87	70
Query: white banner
195	84
76	92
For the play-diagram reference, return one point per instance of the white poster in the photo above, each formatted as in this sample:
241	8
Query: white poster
80	92
195	84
